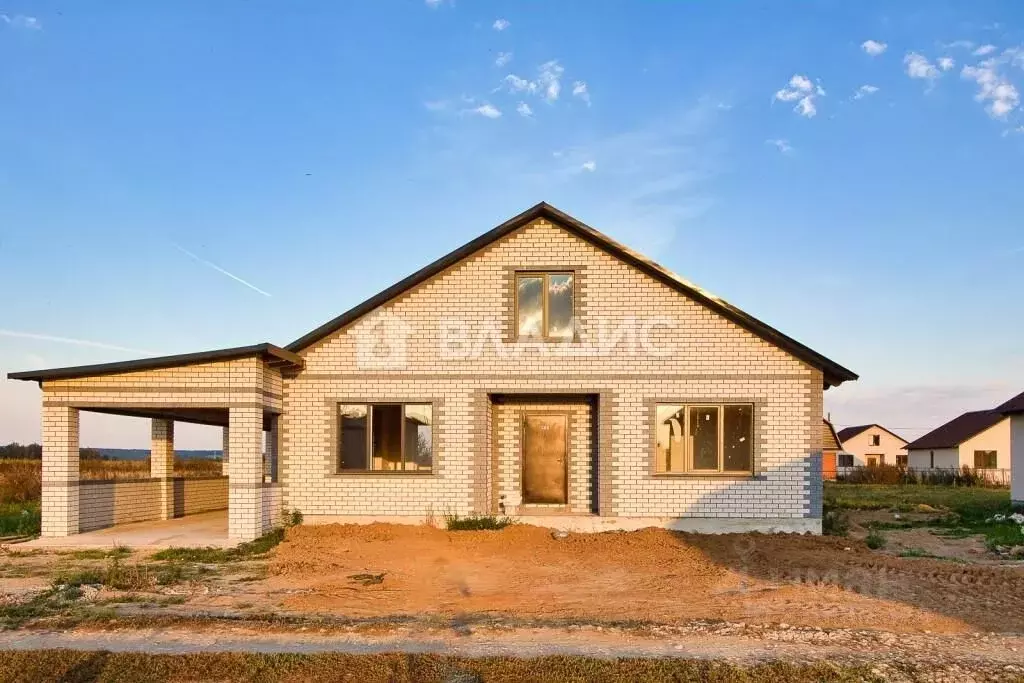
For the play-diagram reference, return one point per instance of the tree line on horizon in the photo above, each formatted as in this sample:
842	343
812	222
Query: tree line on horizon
33	451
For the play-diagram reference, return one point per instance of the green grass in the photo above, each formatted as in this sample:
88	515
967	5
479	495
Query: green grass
454	522
69	665
875	540
967	501
244	551
20	519
967	508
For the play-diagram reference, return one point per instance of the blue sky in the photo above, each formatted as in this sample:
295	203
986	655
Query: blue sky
183	176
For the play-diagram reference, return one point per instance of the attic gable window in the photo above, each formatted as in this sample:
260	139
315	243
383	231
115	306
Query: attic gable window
545	306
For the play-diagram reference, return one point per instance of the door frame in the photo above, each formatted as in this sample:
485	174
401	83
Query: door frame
526	413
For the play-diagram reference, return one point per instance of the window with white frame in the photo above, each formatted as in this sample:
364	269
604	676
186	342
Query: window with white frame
704	438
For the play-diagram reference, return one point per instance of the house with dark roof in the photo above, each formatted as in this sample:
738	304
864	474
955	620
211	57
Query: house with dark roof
978	439
871	445
542	370
1014	410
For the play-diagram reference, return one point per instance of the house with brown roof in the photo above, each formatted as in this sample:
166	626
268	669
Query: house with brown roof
830	449
542	371
1014	409
872	445
978	439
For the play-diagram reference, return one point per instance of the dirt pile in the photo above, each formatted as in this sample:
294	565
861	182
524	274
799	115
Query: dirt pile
650	575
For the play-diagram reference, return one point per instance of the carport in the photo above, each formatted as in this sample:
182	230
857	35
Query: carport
238	389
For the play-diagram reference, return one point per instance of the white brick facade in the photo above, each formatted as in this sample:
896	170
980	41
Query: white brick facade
448	340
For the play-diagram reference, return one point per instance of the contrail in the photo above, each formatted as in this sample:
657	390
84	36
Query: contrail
219	269
77	342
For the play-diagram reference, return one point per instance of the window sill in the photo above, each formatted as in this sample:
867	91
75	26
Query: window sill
382	473
705	475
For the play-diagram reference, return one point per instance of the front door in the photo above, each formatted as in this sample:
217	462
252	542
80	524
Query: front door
545	456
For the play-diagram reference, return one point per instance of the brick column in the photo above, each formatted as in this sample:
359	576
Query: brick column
60	471
161	463
245	473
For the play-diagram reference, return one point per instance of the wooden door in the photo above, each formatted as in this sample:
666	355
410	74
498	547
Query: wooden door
545	458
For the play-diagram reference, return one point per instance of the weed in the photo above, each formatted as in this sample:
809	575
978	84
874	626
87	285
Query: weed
834	522
261	546
367	579
454	522
875	540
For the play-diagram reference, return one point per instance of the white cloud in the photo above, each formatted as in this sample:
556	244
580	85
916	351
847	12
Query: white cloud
984	50
487	110
503	58
865	90
993	87
918	66
436	105
579	89
781	144
22	21
550	79
873	47
517	84
804	92
589	166
946	63
524	109
500	24
434	4
964	44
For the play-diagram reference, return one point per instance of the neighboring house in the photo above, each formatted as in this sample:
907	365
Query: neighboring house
542	370
871	445
829	450
979	439
1014	409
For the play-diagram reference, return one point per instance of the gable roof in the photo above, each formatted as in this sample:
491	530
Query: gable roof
833	373
275	355
849	432
829	438
1014	405
958	430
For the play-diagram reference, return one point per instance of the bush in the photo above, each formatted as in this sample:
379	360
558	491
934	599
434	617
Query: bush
454	522
834	522
875	540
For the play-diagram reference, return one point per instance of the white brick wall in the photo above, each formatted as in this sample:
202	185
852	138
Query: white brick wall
712	359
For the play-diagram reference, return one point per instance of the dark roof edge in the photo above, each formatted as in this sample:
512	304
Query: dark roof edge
834	374
268	351
1012	407
974	430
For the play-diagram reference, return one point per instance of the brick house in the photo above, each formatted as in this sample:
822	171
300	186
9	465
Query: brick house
542	371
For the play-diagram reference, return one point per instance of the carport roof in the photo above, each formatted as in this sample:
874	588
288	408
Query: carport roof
275	355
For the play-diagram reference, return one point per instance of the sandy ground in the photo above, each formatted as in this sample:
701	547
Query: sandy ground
651	576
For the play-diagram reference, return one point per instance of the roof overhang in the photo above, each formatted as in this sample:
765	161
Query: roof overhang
833	373
273	355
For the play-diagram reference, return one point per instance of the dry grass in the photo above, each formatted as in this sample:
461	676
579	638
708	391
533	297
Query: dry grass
21	480
68	665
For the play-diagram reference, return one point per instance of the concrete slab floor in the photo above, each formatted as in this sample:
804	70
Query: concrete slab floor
207	529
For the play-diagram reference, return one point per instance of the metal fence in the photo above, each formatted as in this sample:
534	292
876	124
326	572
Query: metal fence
942	476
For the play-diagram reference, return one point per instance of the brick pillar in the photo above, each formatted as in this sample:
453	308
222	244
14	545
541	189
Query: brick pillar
161	463
60	471
245	474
